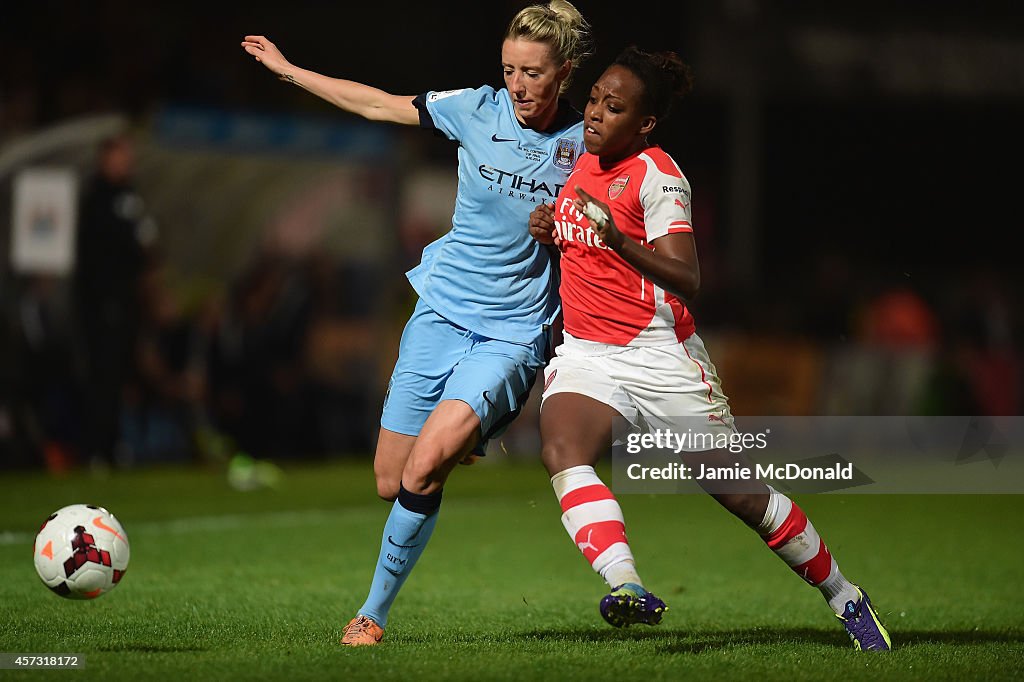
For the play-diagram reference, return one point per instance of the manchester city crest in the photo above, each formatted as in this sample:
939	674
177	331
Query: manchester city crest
565	153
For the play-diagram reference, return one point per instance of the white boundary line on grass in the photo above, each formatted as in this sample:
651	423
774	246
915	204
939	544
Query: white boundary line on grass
280	519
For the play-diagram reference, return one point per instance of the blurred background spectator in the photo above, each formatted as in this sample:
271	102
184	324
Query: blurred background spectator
113	235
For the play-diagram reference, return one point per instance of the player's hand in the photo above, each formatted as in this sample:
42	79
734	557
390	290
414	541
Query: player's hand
266	53
608	232
542	223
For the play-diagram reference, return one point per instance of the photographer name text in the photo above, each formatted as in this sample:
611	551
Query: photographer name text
676	471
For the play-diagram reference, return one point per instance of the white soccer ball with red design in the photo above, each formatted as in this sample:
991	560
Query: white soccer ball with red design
81	551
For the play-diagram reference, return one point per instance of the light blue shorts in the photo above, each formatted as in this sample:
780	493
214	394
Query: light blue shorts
439	360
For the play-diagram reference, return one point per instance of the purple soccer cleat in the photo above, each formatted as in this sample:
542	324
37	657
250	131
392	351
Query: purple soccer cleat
862	624
629	603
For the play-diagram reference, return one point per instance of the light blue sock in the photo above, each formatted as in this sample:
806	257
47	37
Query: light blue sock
405	536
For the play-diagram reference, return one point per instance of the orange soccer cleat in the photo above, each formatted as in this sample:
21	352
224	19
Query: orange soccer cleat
362	631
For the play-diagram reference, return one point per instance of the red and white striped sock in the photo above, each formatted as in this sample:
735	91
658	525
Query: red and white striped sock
594	521
788	532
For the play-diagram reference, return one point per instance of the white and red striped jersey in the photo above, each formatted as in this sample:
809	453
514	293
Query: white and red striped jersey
604	298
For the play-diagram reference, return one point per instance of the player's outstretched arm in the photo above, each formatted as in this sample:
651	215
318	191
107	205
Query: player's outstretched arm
366	101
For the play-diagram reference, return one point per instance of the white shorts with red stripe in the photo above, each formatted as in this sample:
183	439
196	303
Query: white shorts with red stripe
650	386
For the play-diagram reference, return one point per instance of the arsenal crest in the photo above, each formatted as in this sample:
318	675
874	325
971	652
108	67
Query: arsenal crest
618	184
565	154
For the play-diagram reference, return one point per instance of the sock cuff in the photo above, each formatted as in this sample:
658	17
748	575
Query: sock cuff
573	478
779	507
419	504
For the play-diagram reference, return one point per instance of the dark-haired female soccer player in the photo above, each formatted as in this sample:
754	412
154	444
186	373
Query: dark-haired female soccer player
630	346
478	336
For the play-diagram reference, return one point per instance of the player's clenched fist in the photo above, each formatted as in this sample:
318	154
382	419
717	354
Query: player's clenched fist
267	54
600	217
542	224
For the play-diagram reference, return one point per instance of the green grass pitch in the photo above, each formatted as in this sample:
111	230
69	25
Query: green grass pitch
257	585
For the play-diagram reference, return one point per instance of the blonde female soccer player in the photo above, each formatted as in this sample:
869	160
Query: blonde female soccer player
488	291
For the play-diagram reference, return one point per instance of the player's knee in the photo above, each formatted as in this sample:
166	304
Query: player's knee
559	454
387	482
425	466
387	488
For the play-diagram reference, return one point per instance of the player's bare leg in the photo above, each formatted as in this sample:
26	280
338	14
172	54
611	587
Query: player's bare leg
393	450
746	500
575	430
788	532
449	433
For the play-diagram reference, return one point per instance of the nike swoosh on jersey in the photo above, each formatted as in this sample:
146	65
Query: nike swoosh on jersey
495	138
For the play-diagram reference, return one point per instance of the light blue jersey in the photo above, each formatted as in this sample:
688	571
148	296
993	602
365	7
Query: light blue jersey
487	274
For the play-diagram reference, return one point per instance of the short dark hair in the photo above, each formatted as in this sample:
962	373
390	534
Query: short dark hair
665	77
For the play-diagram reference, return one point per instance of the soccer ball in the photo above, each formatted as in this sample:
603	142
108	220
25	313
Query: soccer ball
81	551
